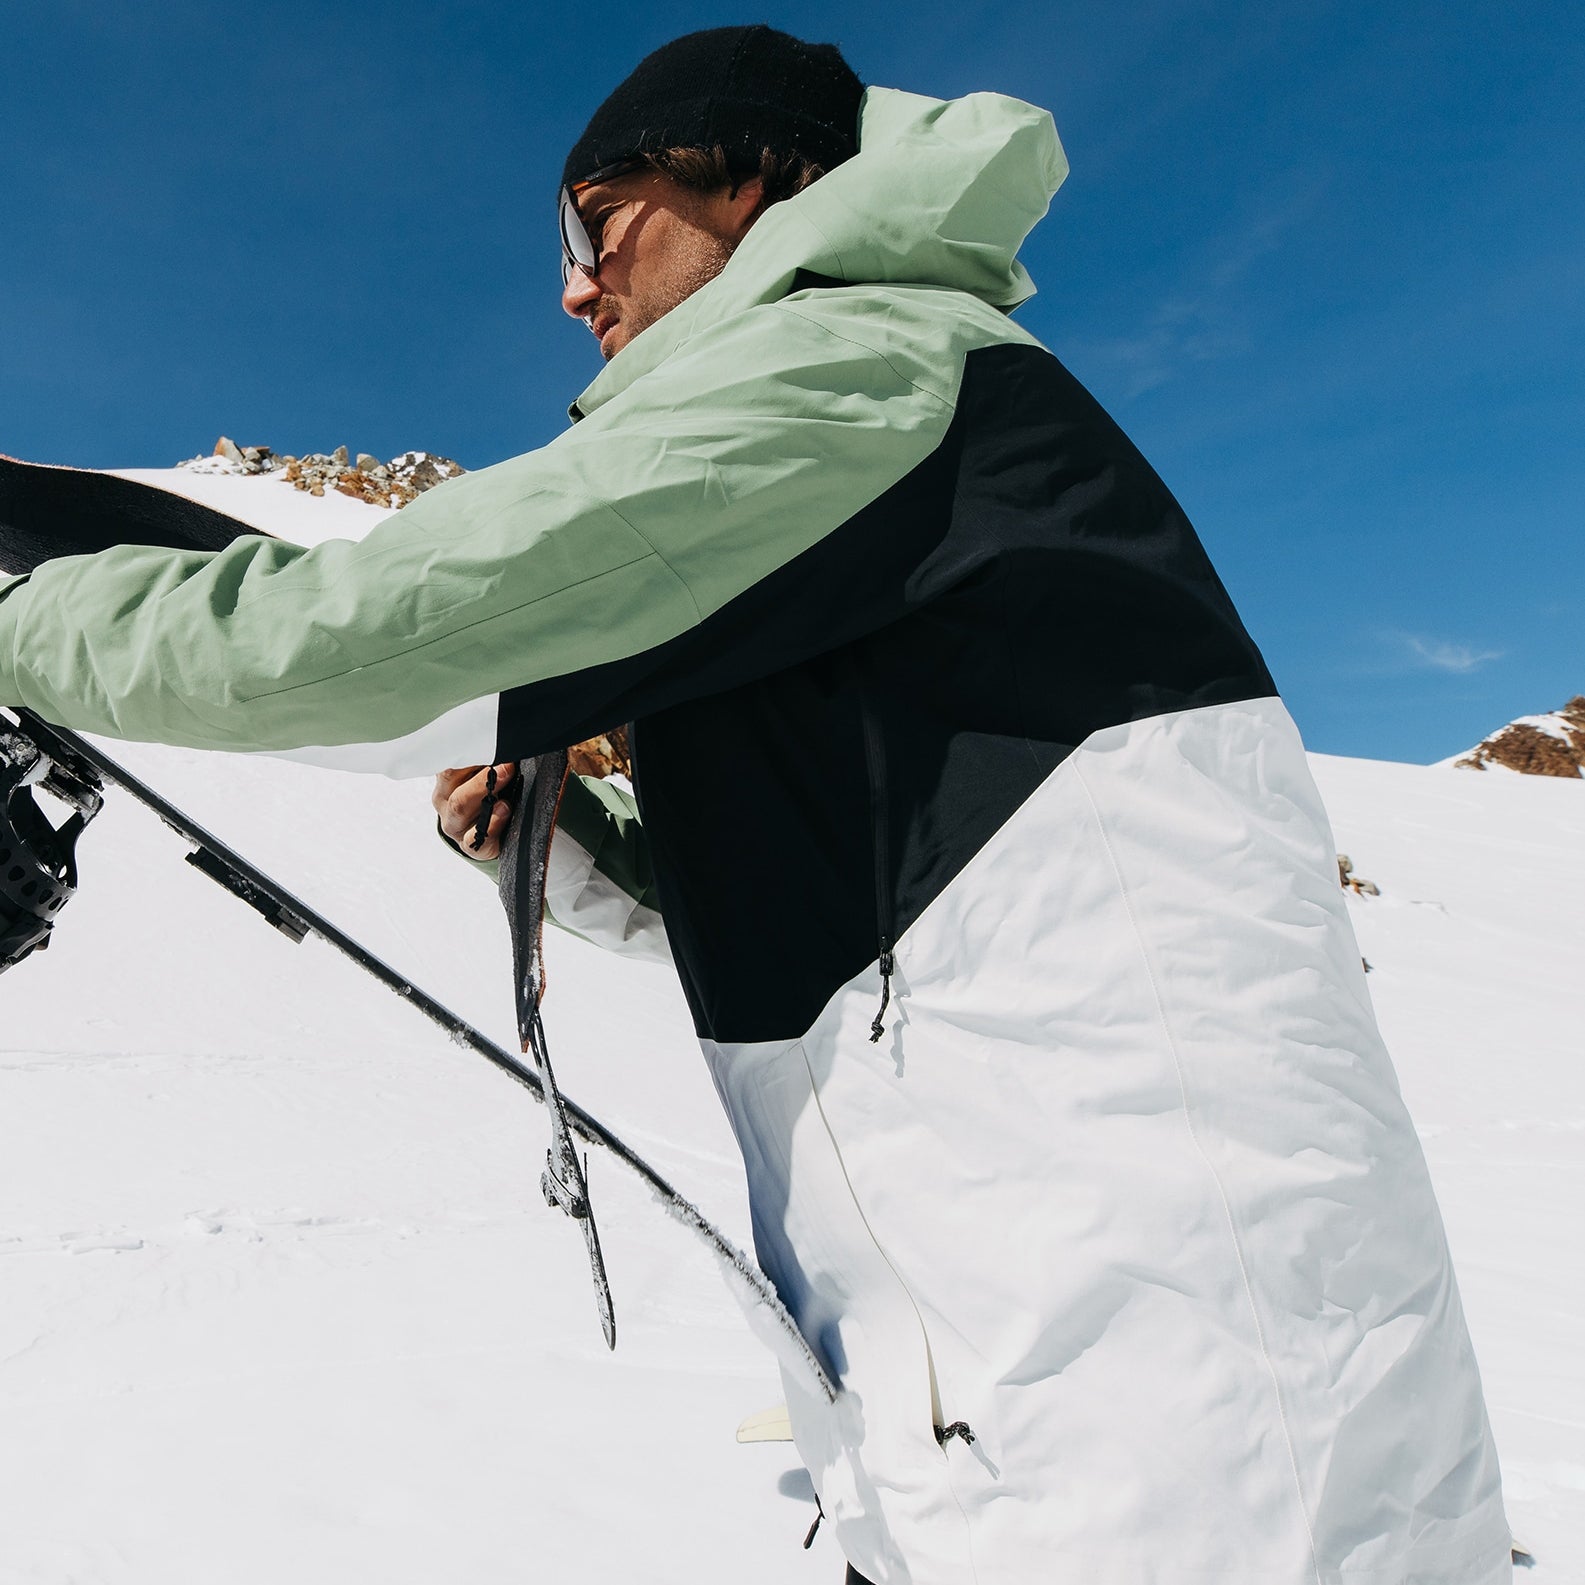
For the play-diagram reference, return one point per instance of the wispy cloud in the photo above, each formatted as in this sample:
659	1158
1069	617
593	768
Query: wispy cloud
1210	320
1442	656
1178	334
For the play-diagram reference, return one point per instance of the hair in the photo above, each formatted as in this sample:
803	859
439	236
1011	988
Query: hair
709	170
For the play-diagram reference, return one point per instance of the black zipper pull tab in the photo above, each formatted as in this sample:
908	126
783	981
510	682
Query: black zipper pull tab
820	1513
481	826
878	1028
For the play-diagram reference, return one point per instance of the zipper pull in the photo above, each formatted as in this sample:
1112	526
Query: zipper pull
481	827
877	1029
820	1513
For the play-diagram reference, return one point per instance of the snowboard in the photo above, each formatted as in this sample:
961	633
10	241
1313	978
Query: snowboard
48	511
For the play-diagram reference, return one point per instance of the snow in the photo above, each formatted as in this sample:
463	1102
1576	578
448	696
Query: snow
1474	947
1551	725
267	502
282	1299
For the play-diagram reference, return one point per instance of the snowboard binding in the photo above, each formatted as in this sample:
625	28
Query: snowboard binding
38	864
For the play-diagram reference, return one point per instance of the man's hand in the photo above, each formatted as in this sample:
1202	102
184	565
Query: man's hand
459	796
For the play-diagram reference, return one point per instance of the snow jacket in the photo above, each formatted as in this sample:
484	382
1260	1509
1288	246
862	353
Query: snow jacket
1013	933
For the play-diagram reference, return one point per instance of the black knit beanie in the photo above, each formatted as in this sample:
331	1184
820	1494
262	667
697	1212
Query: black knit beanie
746	89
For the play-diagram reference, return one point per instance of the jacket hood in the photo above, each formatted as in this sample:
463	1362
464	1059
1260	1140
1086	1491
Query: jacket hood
941	193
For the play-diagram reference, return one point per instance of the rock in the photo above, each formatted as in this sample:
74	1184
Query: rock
366	463
1352	882
602	756
228	457
339	455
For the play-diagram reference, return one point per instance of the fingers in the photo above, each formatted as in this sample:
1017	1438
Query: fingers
448	781
490	846
457	799
470	781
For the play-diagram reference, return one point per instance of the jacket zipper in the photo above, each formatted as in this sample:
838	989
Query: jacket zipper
880	827
885	922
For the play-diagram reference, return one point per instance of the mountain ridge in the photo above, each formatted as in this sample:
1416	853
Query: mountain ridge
1552	744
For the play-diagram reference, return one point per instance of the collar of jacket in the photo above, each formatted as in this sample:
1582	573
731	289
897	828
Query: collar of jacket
941	193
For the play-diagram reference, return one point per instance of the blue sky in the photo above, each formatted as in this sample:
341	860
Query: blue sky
1324	262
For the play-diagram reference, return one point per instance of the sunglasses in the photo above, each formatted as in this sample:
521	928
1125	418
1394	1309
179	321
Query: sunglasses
578	251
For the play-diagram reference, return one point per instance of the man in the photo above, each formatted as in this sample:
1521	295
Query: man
1013	935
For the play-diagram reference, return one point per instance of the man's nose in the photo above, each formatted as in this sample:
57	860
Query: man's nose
580	294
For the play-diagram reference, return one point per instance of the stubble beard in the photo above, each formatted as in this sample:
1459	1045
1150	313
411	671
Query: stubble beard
694	263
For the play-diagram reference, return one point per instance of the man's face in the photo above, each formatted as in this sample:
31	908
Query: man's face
656	242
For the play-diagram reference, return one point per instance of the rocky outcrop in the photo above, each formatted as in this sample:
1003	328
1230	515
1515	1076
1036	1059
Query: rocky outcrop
391	484
1535	745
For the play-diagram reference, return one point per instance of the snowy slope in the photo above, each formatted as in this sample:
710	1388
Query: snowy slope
281	1299
1475	946
267	502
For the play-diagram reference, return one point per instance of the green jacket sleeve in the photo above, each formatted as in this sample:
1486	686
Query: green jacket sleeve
526	605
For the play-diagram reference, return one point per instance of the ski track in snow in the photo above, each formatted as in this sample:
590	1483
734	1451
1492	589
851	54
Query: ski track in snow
282	1300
